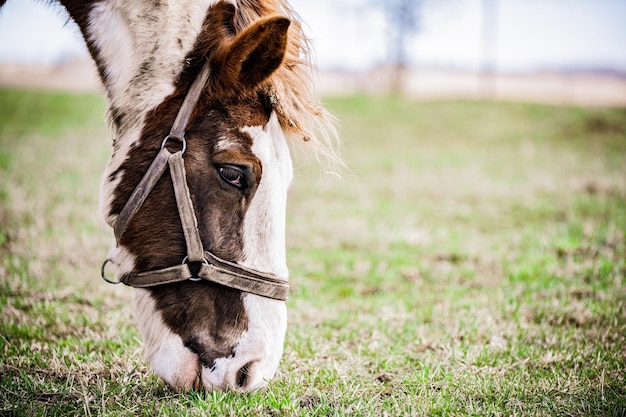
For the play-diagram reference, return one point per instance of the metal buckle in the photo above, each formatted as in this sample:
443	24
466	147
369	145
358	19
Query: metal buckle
195	279
182	140
103	272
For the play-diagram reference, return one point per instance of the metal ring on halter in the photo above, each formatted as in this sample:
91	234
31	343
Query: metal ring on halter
182	140
195	279
103	273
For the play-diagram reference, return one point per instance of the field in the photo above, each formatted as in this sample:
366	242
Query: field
471	261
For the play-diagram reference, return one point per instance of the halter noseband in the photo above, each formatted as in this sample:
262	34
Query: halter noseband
212	268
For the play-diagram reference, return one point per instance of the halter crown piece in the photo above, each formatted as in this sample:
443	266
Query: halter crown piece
212	268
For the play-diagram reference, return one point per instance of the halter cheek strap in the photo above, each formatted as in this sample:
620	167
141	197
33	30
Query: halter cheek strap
212	268
195	251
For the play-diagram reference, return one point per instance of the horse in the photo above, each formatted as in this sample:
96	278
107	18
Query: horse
205	100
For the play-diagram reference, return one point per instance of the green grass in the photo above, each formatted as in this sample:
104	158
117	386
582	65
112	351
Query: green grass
472	262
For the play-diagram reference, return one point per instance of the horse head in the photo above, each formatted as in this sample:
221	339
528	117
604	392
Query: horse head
238	170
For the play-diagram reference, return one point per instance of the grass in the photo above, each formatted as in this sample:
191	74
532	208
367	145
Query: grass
471	263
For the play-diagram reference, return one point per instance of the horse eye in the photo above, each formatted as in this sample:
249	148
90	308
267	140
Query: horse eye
232	175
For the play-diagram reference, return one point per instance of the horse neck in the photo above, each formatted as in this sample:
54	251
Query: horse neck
139	48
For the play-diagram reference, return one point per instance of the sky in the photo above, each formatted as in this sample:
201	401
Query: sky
348	35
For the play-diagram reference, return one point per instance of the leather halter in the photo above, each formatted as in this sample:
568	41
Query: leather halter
212	268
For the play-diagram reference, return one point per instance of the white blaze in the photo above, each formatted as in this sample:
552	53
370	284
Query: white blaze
264	222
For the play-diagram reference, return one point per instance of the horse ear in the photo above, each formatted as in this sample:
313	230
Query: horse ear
252	56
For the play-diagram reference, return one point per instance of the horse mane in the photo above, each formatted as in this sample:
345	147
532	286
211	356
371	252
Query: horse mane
290	89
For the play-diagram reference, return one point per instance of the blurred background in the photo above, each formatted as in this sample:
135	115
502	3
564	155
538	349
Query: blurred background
552	51
471	259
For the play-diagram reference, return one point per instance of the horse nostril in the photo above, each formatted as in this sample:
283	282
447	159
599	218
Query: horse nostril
242	375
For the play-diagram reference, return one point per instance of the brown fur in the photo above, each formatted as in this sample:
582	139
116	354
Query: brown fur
252	56
240	60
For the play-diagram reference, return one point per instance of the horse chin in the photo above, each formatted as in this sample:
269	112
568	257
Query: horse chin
253	363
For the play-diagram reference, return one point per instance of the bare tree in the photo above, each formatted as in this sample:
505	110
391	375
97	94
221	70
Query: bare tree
489	43
403	20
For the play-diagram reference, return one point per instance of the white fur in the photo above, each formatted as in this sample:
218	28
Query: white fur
127	40
264	249
122	260
225	143
125	139
177	365
264	223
